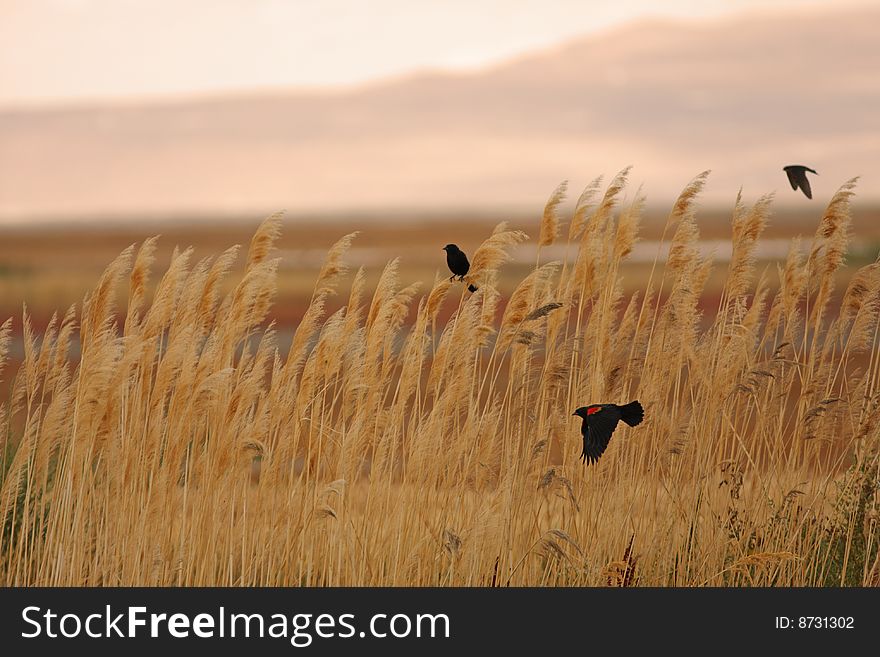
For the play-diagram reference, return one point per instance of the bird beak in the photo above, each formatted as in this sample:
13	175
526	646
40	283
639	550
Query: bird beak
575	413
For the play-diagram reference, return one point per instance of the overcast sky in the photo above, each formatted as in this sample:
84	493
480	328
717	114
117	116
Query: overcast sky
71	51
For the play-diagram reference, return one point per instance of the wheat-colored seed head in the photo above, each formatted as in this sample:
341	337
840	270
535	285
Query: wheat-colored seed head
264	240
582	208
550	219
493	253
387	445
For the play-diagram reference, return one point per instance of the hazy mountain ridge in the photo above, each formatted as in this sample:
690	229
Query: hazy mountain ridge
742	97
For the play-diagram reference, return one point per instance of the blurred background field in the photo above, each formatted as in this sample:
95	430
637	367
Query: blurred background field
51	267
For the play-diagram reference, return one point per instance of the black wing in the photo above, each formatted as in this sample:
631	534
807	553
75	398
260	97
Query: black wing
597	430
805	185
797	176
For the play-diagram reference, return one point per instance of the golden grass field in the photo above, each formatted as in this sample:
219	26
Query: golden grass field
183	430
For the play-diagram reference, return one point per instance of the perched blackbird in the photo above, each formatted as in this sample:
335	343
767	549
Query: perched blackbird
600	420
797	176
458	263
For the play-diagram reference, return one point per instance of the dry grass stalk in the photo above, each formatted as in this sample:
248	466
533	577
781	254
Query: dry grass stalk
181	446
550	219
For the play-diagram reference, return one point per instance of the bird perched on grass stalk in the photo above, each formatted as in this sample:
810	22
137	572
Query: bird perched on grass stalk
797	176
458	264
600	421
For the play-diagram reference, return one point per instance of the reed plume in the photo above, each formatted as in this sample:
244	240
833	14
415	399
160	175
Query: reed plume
406	438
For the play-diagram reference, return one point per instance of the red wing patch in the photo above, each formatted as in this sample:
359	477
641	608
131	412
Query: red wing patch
593	409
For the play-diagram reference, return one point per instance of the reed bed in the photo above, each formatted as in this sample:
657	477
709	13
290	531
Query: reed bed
182	445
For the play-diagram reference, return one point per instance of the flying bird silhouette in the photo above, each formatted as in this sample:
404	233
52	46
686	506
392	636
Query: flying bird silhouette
600	421
797	176
458	264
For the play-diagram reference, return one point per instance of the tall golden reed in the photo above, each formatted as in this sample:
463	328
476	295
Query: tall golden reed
380	447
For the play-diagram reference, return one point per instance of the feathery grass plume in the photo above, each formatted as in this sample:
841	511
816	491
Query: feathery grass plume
558	533
46	350
251	376
493	253
729	358
385	289
397	312
558	357
747	229
441	356
542	311
490	297
628	227
58	367
96	374
792	287
859	291
29	345
829	246
679	317
763	559
54	431
436	298
264	294
387	312
353	309
207	305
451	384
98	306
247	305
701	275
673	336
550	219
580	285
582	207
756	310
861	305
334	267
264	240
138	279
302	338
520	306
191	292
597	337
5	339
683	249
602	213
626	330
683	206
415	350
161	311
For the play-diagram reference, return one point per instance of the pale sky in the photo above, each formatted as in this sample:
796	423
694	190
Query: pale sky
74	51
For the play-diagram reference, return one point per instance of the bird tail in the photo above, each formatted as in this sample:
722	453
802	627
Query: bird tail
472	288
632	413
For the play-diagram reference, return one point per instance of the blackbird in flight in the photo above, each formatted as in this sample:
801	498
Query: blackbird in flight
600	421
458	263
797	176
